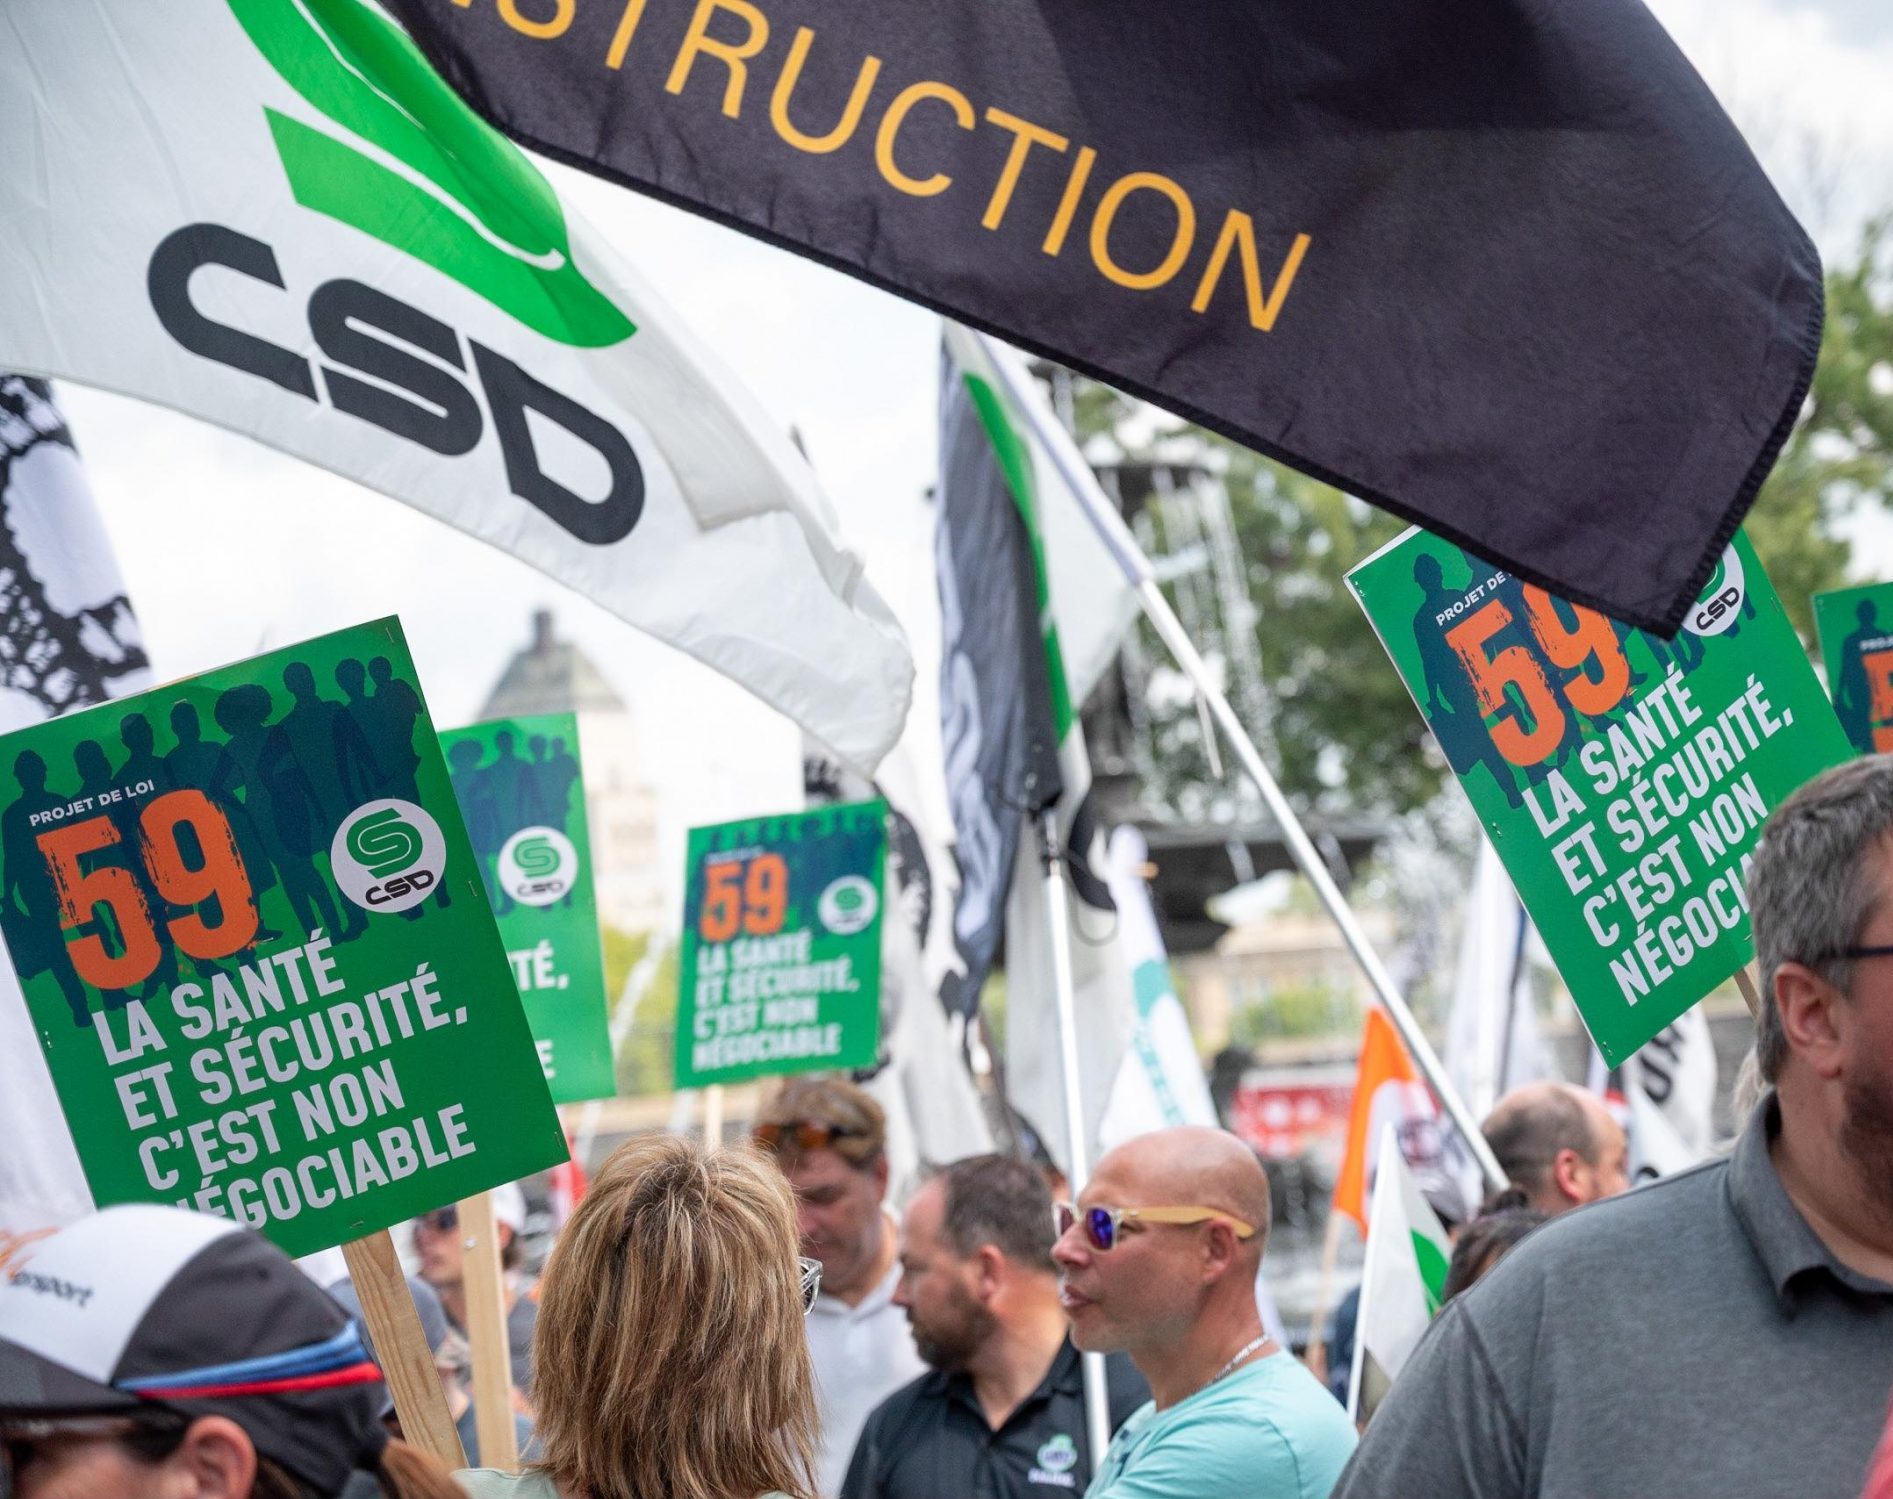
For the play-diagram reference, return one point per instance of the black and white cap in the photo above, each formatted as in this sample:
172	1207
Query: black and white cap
139	1307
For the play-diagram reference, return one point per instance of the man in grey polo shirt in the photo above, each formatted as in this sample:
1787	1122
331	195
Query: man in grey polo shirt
1729	1331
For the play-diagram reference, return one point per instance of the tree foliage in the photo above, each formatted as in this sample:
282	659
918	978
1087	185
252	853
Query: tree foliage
645	1062
1840	456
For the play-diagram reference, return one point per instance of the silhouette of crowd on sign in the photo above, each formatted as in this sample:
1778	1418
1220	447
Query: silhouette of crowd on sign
1451	699
284	776
510	791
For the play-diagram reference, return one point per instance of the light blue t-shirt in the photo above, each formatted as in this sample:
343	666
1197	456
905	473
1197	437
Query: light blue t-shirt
1268	1431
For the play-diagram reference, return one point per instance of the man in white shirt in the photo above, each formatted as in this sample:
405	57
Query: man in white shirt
830	1139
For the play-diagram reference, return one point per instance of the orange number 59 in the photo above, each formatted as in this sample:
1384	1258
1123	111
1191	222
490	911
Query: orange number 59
83	891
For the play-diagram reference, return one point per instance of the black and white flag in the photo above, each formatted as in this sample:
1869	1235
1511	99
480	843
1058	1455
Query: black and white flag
67	640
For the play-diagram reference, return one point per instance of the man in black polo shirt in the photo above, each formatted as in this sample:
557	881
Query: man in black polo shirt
1001	1415
1726	1332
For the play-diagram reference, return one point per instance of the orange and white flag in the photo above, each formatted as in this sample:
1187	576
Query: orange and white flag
1387	1090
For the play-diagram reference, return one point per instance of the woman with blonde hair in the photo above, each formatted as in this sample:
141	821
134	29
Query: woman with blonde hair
672	1361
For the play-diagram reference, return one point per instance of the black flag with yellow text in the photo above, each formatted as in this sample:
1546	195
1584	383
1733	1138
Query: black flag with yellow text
1503	267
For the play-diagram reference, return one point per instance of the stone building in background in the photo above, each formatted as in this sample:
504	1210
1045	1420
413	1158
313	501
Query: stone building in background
554	676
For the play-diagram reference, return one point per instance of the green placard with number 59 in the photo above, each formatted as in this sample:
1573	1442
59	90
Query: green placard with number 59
781	960
1623	778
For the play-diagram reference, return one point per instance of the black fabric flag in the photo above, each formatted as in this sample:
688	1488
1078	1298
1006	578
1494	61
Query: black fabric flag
1501	266
996	720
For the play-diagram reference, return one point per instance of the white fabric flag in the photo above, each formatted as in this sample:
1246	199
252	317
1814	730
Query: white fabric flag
1492	1040
67	640
1656	1149
274	215
1402	1282
1676	1071
1161	1081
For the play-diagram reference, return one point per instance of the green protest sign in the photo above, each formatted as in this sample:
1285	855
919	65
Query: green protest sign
257	953
781	962
1622	778
521	790
1856	629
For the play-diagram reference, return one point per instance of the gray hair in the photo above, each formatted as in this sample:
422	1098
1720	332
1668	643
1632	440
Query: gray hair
1810	886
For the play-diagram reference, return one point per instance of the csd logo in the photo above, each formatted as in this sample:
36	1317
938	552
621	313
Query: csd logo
849	905
538	866
387	855
1720	604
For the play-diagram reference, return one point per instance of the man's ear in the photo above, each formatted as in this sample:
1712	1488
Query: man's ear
880	1176
1567	1175
1811	1018
1219	1249
218	1457
989	1270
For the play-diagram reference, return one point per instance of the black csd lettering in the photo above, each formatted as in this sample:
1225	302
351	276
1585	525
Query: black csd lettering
371	333
1718	606
400	885
542	887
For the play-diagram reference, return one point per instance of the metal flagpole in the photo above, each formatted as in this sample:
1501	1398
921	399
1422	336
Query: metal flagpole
1315	870
1136	566
1077	1166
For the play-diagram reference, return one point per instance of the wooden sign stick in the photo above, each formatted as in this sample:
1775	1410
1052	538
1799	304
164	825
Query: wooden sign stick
407	1363
486	1332
1751	993
713	1115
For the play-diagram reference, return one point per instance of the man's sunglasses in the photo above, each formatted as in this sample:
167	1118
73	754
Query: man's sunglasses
1104	1226
811	1282
441	1220
803	1134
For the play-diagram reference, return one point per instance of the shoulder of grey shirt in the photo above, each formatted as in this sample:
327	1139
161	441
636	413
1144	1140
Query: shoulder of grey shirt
1608	1265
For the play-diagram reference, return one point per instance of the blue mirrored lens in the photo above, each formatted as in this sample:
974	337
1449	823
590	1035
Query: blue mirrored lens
1100	1228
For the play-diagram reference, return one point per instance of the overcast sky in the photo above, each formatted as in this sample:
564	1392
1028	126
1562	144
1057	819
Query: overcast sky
227	546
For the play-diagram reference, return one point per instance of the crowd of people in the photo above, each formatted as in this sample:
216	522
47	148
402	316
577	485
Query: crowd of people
748	1321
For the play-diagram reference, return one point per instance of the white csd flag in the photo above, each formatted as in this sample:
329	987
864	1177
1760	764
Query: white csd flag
274	215
67	640
1402	1281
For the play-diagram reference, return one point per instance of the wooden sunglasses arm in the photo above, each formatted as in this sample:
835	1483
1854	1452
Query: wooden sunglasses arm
1191	1215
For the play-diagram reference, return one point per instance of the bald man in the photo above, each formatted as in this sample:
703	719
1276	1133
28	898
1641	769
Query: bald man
1159	1260
1559	1145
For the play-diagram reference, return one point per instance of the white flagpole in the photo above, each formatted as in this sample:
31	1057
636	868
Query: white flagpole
1130	557
1077	1164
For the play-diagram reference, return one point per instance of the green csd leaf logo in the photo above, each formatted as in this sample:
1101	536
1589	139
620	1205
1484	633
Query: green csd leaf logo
423	172
849	905
384	842
538	866
388	855
536	856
